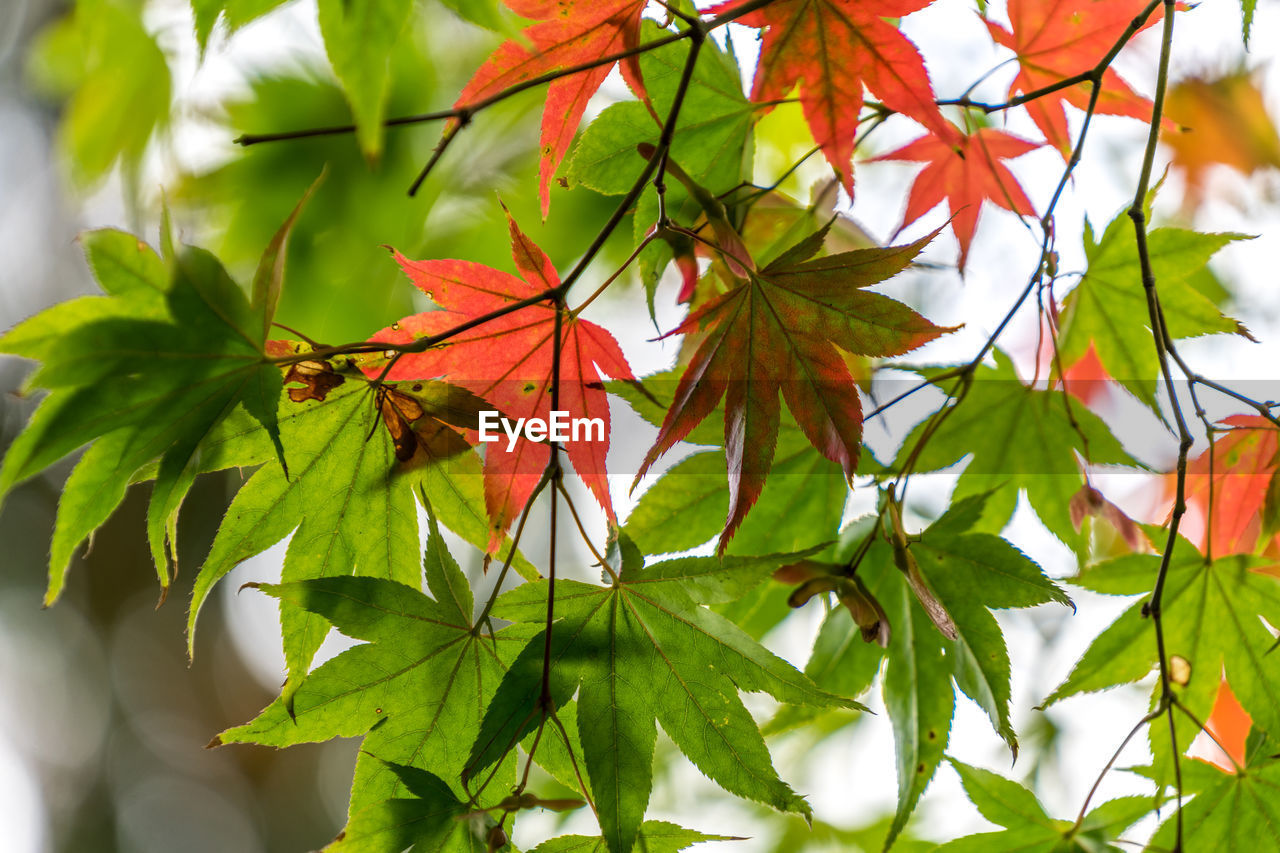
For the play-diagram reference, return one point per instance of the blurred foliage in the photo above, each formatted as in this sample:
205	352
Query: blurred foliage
1224	121
115	80
337	248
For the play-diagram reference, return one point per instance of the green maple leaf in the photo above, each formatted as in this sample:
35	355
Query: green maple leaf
113	78
655	836
149	371
841	662
1018	438
359	37
1212	613
417	689
642	652
1108	307
347	501
916	686
237	12
710	135
433	819
970	574
1029	828
1236	811
801	504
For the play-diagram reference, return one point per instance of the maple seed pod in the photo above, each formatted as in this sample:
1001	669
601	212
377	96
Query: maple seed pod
866	612
802	571
810	588
906	563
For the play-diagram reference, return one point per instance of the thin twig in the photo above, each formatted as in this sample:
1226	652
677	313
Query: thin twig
577	520
1112	761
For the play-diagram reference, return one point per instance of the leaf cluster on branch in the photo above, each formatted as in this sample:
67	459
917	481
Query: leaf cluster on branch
477	700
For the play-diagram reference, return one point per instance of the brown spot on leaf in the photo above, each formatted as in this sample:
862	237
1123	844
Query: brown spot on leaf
317	379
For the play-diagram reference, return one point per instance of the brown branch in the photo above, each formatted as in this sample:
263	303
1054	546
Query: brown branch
1137	213
467	111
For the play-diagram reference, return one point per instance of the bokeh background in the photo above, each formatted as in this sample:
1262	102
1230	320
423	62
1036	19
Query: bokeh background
102	717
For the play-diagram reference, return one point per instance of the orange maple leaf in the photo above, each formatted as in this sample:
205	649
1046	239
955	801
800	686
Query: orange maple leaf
1229	723
831	49
1087	379
1057	39
964	171
1244	461
569	33
508	362
1223	121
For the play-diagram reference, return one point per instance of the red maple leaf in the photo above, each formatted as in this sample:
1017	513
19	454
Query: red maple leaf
781	330
832	48
569	33
508	362
1231	501
964	171
1057	39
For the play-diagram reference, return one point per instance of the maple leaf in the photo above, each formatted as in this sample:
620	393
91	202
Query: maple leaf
1235	811
1057	39
1086	379
1229	484
964	172
641	652
508	361
655	836
1214	616
1098	311
711	142
1029	828
430	819
971	573
348	499
1225	738
832	49
802	313
569	33
1223	120
198	340
1020	438
416	689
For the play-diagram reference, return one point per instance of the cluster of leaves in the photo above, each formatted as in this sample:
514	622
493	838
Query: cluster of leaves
175	372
